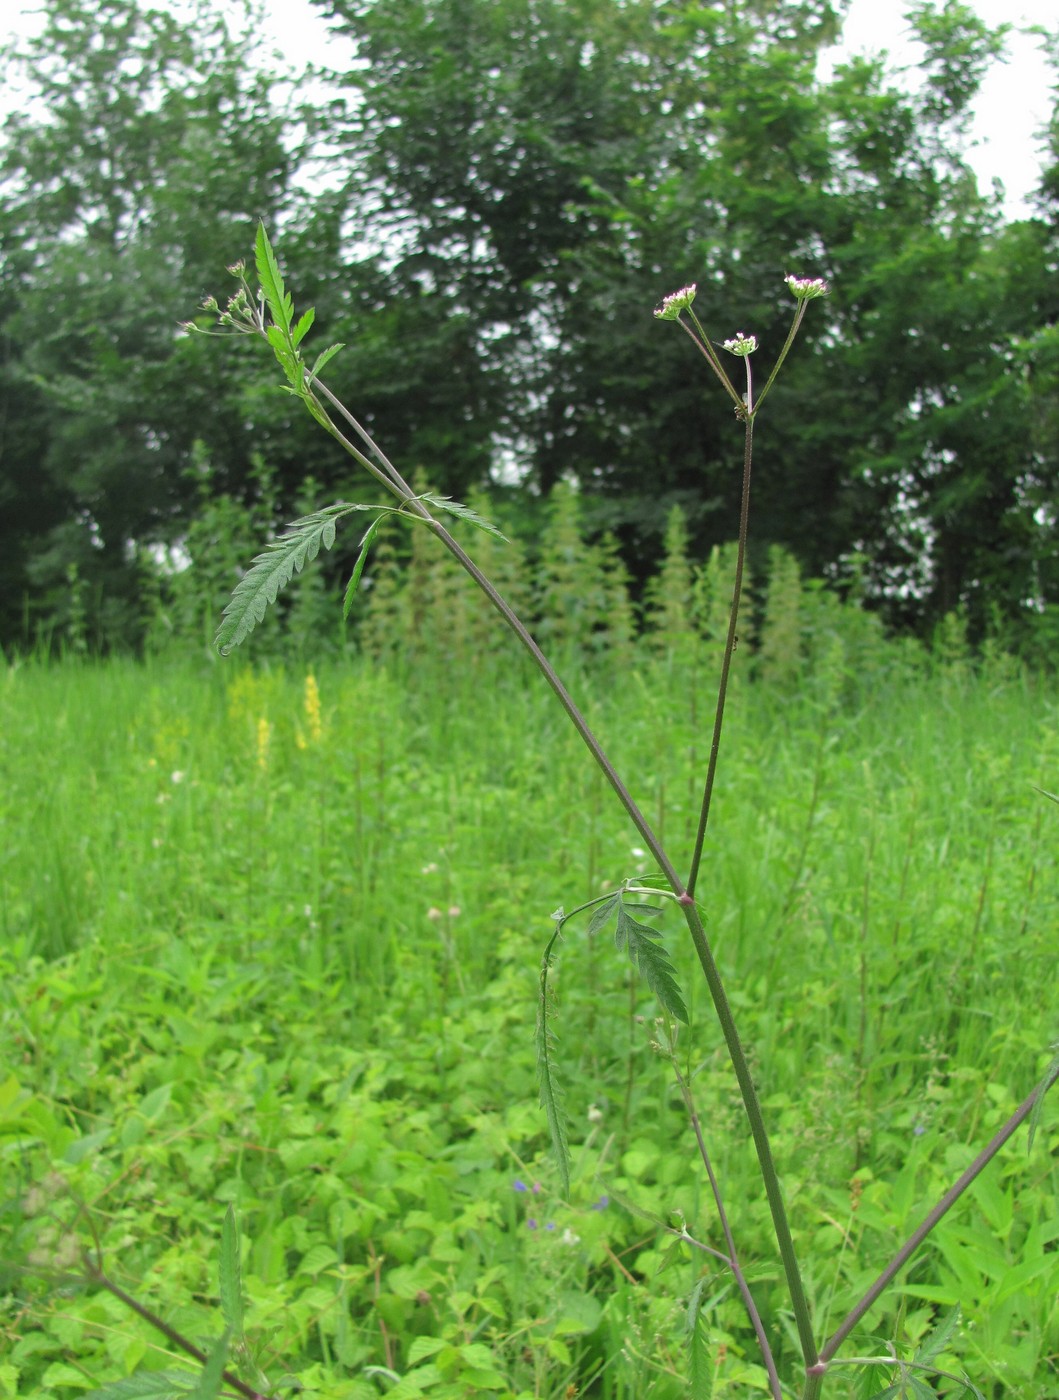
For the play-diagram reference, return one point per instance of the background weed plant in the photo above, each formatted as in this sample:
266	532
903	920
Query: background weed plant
427	1218
198	1007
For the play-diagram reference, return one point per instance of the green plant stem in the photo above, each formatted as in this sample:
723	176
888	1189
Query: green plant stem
726	662
752	1104
396	481
732	1257
916	1238
799	317
702	342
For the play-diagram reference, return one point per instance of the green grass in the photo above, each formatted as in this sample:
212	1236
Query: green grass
301	978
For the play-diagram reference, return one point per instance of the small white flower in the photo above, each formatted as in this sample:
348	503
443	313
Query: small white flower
568	1237
431	869
434	914
675	303
637	851
595	1114
741	344
177	776
454	911
807	288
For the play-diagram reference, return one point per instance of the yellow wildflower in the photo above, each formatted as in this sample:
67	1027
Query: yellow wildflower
312	708
264	740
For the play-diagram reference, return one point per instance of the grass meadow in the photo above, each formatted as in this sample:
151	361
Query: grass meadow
271	938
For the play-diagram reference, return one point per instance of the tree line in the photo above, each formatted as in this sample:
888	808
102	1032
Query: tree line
485	199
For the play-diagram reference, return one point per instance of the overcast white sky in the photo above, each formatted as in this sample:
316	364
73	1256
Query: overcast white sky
1014	104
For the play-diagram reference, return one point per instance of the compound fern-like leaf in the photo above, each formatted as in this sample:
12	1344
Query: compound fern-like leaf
652	961
451	507
280	304
603	914
358	568
300	542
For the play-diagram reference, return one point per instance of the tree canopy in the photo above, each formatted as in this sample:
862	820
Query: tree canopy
513	185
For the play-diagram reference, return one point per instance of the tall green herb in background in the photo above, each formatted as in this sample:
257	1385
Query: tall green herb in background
270	313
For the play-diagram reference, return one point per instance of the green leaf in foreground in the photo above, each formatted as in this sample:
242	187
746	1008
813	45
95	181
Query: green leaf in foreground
280	304
934	1344
550	1092
259	587
324	357
603	914
362	558
652	960
472	517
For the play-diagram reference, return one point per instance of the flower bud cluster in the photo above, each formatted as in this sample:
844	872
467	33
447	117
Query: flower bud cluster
741	344
807	288
675	303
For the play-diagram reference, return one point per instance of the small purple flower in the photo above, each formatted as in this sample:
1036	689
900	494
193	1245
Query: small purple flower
519	1185
531	1223
602	1203
537	1188
550	1225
